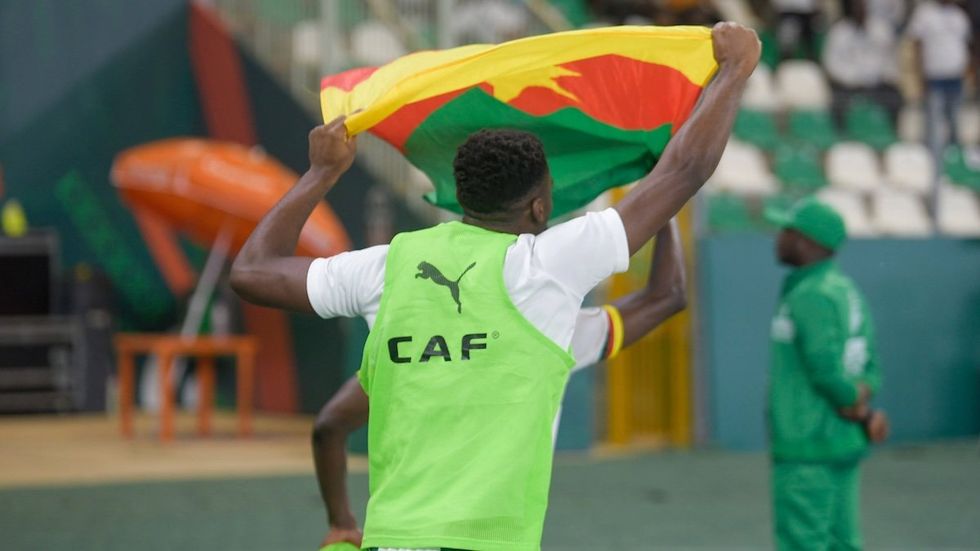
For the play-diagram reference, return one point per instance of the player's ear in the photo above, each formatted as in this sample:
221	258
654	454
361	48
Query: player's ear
539	210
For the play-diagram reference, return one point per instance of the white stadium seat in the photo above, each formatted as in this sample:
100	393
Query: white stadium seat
743	170
909	166
850	205
801	85
306	43
853	165
959	211
760	92
372	43
900	213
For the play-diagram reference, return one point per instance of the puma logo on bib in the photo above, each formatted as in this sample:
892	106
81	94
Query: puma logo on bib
430	272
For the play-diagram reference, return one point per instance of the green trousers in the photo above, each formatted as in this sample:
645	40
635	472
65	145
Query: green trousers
816	506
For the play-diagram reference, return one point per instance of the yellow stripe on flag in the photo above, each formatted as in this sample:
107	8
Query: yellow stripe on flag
425	75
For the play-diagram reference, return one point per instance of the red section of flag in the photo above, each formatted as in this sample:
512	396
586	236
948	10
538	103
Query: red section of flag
663	95
399	125
347	80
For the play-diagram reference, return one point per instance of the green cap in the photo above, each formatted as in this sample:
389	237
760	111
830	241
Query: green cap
812	218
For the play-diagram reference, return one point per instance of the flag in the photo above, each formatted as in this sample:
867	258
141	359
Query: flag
604	102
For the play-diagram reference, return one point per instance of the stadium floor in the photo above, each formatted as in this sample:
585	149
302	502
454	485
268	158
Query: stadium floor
915	498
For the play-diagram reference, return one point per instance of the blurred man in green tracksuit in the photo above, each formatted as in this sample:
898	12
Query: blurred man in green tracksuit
824	371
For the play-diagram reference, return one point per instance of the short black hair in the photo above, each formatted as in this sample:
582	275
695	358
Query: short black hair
495	168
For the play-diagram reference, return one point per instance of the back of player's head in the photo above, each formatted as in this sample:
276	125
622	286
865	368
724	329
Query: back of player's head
496	168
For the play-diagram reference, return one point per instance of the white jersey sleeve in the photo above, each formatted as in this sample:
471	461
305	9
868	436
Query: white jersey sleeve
591	337
584	251
548	275
348	284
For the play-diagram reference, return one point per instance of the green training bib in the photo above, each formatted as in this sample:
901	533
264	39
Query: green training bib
463	393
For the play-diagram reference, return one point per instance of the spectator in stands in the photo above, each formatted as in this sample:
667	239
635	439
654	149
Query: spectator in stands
796	26
860	59
941	31
973	12
620	12
688	12
892	12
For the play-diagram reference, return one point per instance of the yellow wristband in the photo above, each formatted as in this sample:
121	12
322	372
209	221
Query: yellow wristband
615	330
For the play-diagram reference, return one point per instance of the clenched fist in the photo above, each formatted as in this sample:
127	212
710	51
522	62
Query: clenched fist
736	46
330	147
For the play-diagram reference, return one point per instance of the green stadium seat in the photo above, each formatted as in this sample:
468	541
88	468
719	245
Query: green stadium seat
757	128
729	213
799	168
770	47
575	11
869	123
958	168
813	127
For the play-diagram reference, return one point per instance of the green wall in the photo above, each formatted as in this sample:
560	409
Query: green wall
77	85
925	298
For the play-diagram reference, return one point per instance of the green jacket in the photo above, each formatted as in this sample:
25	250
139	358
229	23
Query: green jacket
822	347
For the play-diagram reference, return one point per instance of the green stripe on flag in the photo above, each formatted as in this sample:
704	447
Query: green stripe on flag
586	156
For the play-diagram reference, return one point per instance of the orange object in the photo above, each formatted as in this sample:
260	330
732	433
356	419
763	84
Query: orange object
201	186
167	347
165	248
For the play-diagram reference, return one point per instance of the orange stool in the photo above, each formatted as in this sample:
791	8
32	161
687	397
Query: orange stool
167	347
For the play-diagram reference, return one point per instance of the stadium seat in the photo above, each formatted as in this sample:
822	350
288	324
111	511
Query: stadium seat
959	211
757	128
743	170
760	93
306	44
962	166
770	47
899	213
728	212
869	123
778	202
911	124
969	125
801	85
909	166
814	127
851	207
739	11
372	43
853	165
798	168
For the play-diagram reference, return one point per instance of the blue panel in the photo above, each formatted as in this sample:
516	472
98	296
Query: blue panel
577	430
925	298
48	46
739	283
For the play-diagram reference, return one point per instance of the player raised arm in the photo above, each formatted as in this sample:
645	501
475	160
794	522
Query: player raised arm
266	271
693	153
665	292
